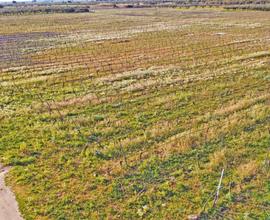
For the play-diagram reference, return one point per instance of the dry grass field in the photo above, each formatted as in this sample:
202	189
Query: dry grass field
133	113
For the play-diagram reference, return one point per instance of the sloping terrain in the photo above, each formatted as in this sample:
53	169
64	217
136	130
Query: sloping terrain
134	113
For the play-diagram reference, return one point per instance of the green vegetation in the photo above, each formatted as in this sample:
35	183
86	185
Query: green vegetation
132	114
42	9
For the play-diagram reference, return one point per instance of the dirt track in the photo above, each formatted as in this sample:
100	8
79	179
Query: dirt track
8	204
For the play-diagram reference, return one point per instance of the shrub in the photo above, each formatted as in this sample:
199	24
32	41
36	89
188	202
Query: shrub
69	10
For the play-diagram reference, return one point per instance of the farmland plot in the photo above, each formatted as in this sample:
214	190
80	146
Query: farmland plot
134	113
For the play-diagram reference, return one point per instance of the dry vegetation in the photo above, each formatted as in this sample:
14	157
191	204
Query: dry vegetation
133	113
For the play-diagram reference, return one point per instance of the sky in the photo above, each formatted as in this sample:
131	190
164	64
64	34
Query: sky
15	0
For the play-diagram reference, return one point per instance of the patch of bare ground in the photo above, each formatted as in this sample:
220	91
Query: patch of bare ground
8	204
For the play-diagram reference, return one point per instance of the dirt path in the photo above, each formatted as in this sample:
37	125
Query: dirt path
8	204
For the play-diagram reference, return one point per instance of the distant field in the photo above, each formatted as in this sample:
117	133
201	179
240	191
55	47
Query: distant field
133	113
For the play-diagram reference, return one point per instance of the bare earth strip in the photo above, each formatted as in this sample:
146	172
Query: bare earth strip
8	204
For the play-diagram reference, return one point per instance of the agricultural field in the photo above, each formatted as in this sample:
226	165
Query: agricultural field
137	113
